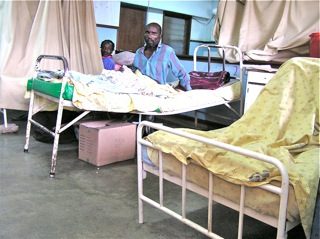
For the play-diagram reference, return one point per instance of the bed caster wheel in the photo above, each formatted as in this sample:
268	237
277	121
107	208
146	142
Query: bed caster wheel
52	175
25	150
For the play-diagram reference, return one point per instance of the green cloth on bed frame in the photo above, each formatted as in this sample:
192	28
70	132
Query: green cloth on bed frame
50	88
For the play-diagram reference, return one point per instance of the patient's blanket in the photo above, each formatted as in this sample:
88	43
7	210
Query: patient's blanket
282	123
111	90
125	91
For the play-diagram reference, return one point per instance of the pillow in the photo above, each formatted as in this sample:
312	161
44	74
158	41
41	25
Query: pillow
124	58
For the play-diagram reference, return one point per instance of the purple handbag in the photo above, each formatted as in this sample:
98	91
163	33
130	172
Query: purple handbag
208	80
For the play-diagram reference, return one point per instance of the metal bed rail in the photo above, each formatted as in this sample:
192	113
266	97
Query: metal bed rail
61	104
282	190
5	118
241	69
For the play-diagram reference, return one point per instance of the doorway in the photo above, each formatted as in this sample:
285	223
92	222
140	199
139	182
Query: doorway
131	29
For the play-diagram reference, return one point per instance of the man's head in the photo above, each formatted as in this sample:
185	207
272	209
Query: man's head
152	34
107	47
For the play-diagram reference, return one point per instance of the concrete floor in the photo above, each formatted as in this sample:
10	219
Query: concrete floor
86	202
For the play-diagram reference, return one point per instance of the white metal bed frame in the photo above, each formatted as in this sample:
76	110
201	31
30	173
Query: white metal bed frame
62	103
280	223
7	127
5	118
241	68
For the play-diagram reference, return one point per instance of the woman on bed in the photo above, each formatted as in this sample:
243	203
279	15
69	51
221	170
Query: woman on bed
158	60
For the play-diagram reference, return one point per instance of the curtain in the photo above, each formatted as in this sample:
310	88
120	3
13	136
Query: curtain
32	28
266	30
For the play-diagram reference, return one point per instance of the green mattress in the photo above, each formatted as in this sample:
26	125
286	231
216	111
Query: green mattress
50	88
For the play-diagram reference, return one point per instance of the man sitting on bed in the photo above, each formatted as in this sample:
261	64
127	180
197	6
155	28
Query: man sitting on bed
158	60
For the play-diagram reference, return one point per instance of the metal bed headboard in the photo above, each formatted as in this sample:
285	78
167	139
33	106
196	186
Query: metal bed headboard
223	48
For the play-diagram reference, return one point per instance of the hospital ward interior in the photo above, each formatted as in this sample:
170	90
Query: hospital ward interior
181	119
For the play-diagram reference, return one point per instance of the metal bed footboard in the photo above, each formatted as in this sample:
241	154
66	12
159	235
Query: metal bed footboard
282	191
62	103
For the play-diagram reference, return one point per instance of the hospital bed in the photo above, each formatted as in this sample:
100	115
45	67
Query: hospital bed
133	93
262	166
197	179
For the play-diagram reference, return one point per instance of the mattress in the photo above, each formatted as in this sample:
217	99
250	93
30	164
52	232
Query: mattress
51	88
116	91
257	199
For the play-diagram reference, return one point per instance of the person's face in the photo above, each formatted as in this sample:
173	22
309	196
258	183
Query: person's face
152	36
106	49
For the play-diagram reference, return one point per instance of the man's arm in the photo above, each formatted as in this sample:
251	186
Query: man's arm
138	60
179	72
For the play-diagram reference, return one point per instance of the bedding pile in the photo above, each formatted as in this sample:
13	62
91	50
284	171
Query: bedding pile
125	91
282	123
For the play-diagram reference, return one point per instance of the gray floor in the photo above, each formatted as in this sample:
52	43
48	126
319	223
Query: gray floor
83	201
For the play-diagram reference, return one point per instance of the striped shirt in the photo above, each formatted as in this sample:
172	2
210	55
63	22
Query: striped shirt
159	65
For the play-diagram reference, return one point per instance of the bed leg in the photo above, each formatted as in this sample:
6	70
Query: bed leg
140	211
196	119
241	211
28	129
54	155
56	140
140	174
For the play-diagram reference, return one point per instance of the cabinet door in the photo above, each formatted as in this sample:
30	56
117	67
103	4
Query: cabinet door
256	82
253	90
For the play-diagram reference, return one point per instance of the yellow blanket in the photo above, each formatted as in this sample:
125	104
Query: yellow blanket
283	123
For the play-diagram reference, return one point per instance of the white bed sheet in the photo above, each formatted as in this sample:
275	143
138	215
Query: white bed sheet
128	92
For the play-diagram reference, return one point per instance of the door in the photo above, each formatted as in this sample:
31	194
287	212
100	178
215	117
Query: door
131	29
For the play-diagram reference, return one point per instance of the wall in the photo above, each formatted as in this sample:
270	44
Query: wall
108	13
107	33
199	8
155	15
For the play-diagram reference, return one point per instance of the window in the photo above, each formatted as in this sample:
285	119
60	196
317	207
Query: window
107	32
176	32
